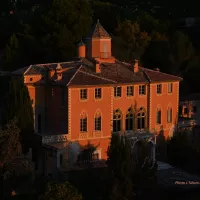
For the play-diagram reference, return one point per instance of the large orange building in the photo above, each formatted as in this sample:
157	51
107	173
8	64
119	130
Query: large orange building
92	96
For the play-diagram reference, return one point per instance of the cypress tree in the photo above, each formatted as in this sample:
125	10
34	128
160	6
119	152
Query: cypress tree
18	104
120	167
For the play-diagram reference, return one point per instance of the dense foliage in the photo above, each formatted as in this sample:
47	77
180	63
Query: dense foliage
61	191
48	31
183	151
10	145
129	177
17	104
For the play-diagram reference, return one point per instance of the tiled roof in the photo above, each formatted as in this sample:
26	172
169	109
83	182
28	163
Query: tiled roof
82	72
20	71
98	31
35	69
157	76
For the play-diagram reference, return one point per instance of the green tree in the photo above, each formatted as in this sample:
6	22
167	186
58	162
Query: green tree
55	191
120	166
149	23
10	145
11	53
136	40
63	24
18	104
183	150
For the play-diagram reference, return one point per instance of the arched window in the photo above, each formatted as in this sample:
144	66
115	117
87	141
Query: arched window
83	122
129	120
117	117
141	118
158	116
97	122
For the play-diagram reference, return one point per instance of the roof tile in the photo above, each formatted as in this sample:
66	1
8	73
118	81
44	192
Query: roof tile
98	31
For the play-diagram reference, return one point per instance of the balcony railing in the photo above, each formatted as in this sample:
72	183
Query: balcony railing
54	138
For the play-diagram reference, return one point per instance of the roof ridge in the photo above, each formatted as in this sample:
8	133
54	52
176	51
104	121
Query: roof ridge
147	76
42	64
161	72
74	75
98	76
27	69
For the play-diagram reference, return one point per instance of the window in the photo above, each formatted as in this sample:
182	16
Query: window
142	90
129	91
170	87
129	120
39	123
185	110
117	117
31	79
158	116
83	93
194	109
159	89
141	118
169	115
83	123
97	93
97	122
117	91
86	156
105	50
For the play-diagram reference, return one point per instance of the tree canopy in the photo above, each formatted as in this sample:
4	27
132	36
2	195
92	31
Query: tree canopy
48	31
61	191
18	104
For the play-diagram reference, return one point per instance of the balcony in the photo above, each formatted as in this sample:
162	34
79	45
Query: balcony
47	139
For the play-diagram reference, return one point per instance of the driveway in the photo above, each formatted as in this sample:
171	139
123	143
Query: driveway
170	177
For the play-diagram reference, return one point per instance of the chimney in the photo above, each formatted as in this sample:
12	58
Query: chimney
156	69
81	50
136	66
97	67
59	72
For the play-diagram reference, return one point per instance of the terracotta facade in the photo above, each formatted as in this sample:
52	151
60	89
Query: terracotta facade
56	88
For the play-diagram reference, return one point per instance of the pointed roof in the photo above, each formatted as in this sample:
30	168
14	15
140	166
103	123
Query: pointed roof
98	31
81	43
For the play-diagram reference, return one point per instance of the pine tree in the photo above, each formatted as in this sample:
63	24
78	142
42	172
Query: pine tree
18	104
11	53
